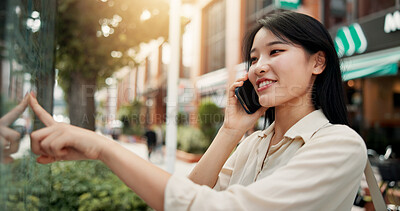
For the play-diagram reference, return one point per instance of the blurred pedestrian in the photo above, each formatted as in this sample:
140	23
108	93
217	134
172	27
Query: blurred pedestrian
151	139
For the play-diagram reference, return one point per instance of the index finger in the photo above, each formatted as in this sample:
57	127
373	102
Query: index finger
231	92
11	116
42	114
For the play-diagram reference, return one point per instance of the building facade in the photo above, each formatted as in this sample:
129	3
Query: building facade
366	35
367	39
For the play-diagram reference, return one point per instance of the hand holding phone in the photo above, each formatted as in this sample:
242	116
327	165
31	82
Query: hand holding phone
248	97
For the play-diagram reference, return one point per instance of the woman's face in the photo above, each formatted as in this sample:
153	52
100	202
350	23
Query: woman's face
281	72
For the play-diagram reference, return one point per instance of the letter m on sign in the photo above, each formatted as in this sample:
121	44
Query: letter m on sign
392	22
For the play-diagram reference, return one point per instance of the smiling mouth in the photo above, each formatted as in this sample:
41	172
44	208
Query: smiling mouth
265	83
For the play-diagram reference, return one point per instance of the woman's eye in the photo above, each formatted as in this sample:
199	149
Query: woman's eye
275	51
253	60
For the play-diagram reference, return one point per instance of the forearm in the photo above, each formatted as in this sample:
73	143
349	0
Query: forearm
144	178
206	171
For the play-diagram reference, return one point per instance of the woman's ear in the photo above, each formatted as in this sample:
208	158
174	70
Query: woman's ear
320	62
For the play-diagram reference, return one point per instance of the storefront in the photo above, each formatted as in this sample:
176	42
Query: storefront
370	55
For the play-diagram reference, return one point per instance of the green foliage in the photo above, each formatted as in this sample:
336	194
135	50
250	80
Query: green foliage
24	187
133	117
78	185
192	140
89	32
195	140
82	45
210	118
182	118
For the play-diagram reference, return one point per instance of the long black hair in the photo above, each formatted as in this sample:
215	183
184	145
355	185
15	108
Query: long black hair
303	30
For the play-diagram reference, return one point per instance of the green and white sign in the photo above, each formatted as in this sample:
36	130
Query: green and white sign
350	40
371	47
287	4
392	22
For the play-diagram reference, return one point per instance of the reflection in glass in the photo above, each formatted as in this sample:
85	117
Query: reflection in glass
10	136
26	63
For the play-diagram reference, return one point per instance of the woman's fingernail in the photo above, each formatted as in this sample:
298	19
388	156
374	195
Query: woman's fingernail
33	94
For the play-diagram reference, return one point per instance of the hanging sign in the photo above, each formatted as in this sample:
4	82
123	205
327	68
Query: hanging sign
392	22
350	40
287	4
368	35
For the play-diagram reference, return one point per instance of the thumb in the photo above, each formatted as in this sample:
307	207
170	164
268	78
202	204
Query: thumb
43	159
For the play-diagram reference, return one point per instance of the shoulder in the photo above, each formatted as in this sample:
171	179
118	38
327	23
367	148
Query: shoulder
337	145
337	131
340	138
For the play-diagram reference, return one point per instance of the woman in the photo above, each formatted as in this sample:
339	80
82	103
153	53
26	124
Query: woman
307	159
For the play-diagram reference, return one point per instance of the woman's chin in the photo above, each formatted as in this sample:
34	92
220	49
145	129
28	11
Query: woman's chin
267	101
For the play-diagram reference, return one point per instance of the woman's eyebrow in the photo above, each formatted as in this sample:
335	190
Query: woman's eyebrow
276	43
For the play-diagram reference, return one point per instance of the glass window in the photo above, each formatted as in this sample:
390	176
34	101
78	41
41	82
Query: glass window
215	36
337	12
26	63
257	9
345	12
266	3
251	7
367	7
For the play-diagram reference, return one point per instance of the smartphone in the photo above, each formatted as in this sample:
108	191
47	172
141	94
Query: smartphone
248	97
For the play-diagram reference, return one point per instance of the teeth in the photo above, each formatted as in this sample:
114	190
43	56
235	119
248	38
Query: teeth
264	83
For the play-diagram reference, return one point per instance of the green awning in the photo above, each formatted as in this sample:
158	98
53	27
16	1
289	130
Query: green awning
382	63
373	71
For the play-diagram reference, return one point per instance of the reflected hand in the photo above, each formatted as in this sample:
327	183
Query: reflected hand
9	138
236	119
60	141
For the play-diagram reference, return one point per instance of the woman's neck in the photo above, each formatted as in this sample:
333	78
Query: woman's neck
286	117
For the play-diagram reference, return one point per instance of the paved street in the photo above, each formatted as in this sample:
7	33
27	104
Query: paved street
181	168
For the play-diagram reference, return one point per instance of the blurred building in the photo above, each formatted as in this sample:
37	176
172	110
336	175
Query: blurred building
367	38
366	34
220	28
147	82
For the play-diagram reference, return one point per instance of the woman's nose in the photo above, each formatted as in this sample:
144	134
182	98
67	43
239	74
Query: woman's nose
261	67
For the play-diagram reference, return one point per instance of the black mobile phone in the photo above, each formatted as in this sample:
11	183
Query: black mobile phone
248	97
